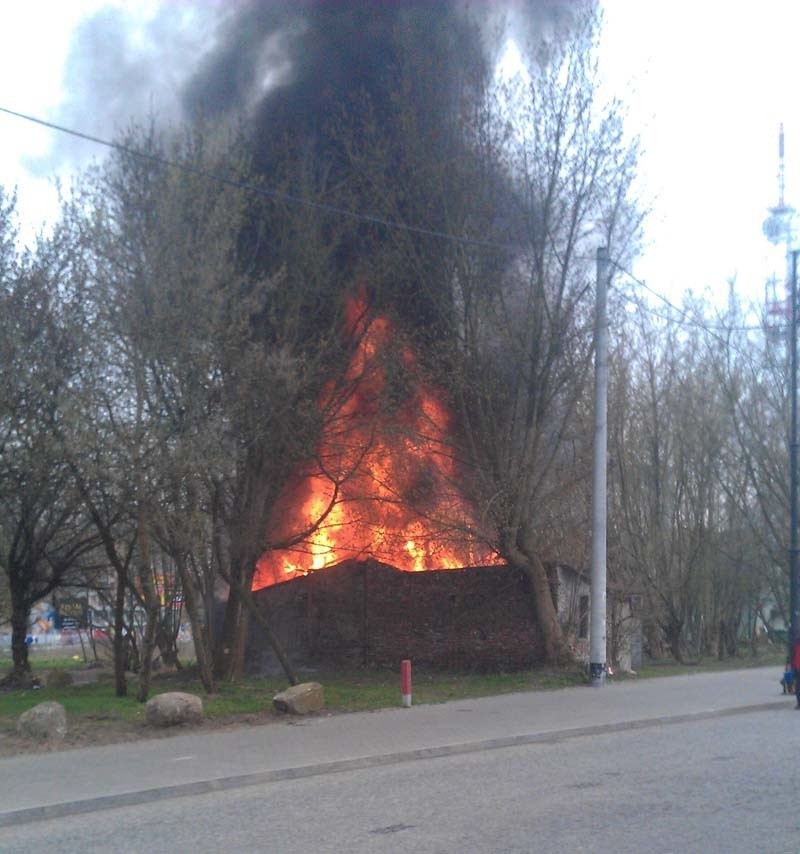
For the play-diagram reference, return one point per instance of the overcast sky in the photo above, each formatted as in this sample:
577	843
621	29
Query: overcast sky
707	83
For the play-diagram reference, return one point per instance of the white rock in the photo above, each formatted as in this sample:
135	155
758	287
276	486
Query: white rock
174	707
300	699
44	721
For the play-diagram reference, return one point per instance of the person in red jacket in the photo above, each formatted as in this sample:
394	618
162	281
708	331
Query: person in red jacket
796	667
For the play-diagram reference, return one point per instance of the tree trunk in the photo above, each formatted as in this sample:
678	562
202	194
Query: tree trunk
720	646
151	605
674	634
654	637
199	628
731	637
247	598
229	660
148	645
225	663
120	652
21	668
167	641
555	648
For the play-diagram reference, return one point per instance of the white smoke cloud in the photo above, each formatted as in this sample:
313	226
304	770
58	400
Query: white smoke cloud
124	64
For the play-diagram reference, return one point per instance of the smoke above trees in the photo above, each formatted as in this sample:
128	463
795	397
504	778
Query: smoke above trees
393	163
287	66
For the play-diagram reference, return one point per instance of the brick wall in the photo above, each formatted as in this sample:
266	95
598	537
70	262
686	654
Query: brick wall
369	614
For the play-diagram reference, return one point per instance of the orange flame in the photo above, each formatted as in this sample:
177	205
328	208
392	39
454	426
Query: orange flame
386	483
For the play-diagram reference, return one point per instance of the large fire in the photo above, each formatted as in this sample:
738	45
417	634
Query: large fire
384	484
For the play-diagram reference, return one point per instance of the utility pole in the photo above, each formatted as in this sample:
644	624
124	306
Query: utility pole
794	585
597	629
779	228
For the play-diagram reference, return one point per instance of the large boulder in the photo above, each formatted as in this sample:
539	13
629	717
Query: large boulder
172	708
46	721
300	699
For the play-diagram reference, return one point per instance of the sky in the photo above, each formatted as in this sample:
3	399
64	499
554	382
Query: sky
706	84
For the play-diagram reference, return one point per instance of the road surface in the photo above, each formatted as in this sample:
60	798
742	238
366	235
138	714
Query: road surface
726	784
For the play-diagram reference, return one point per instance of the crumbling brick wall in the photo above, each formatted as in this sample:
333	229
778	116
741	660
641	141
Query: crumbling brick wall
369	614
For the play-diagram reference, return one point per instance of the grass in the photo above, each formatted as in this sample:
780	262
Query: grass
771	656
345	691
43	660
90	702
367	690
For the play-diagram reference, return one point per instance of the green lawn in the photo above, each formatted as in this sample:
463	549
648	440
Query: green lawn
345	691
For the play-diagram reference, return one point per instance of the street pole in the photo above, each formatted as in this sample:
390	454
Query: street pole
794	586
779	229
597	630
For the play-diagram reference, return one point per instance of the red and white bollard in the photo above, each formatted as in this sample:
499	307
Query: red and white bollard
405	682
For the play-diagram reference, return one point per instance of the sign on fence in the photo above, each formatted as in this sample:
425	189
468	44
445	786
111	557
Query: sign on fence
71	614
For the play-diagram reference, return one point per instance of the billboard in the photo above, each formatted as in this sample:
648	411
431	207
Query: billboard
71	614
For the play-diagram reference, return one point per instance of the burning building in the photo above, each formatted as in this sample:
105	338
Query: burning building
384	483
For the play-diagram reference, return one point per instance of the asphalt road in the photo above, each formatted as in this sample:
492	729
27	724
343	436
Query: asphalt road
726	784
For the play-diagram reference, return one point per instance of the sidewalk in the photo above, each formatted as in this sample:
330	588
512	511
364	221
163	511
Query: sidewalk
47	785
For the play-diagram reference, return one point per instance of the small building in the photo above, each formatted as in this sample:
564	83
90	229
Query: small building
572	594
368	614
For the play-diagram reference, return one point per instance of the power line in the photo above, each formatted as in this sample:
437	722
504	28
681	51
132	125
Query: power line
278	195
709	330
291	198
688	319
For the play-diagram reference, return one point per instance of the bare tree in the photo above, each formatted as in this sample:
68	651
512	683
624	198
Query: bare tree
221	349
752	372
46	537
681	504
666	453
534	175
524	348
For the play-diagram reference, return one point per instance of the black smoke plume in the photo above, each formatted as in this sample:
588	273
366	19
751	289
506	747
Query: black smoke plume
302	72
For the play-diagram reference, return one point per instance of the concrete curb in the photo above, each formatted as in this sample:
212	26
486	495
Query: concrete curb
200	787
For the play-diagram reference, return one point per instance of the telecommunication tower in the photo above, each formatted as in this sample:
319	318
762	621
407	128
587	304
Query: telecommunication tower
778	225
778	230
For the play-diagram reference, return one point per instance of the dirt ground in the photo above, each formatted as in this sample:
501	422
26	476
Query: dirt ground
96	731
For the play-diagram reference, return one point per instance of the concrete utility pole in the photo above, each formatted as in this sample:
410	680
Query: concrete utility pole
597	630
780	228
794	585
